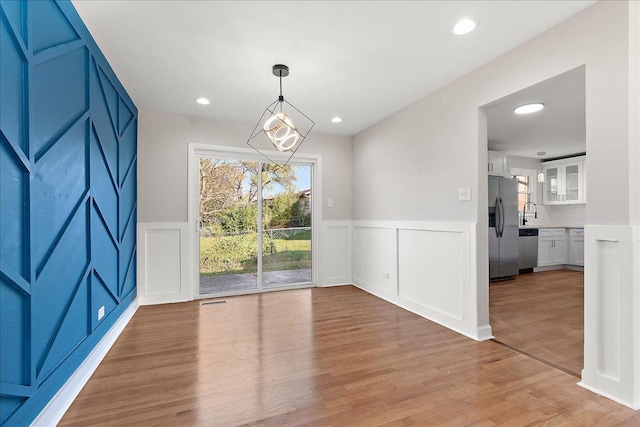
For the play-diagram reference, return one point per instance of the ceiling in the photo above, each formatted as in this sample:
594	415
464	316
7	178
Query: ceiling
559	129
360	60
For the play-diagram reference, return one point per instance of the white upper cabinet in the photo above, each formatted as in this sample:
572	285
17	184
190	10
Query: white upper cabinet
497	164
564	181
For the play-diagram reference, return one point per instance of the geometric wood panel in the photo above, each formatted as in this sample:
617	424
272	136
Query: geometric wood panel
68	144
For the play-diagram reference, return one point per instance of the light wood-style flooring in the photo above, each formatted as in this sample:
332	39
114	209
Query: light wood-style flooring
542	315
322	357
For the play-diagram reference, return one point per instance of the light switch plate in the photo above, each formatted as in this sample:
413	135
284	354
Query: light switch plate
330	203
464	194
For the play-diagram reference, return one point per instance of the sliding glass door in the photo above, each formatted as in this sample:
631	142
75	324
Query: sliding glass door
286	228
254	224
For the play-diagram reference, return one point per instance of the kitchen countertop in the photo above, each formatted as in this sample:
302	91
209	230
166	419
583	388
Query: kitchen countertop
550	226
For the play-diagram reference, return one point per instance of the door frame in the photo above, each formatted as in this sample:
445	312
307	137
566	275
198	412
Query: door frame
198	150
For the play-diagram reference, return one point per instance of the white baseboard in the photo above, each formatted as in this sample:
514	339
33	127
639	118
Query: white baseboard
331	285
161	299
608	396
418	309
484	333
548	268
58	405
559	267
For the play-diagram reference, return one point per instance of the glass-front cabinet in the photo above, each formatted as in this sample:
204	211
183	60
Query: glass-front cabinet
564	181
551	185
573	182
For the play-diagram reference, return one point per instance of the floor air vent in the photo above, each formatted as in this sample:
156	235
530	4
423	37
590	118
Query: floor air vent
212	302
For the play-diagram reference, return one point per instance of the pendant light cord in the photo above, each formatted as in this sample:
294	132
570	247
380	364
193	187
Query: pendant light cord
280	98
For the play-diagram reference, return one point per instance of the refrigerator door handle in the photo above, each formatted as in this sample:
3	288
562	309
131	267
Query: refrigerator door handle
501	217
497	227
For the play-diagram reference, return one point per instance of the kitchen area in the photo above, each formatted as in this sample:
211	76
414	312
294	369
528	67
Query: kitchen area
550	216
537	199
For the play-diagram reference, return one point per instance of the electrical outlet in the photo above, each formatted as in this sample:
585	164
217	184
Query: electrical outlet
101	312
385	275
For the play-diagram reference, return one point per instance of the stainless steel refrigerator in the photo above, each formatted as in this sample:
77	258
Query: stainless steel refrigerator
503	227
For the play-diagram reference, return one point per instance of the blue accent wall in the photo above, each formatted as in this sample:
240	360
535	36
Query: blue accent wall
68	134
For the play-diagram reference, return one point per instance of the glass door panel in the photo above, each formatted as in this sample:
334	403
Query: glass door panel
228	226
572	182
286	224
552	184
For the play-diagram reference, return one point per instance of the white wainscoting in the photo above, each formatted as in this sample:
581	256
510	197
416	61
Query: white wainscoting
375	259
612	313
336	259
425	267
163	267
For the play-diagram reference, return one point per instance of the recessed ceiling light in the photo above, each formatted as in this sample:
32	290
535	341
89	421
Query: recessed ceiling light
203	101
336	120
464	26
529	108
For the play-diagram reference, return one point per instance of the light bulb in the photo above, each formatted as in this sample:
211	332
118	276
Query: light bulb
281	132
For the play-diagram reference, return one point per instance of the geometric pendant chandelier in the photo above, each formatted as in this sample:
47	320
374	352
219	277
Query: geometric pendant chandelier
281	127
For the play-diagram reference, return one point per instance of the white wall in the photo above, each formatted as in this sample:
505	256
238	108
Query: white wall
162	157
634	114
438	144
430	147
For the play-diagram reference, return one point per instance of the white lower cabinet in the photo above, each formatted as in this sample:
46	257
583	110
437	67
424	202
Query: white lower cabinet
544	251
552	247
559	251
576	246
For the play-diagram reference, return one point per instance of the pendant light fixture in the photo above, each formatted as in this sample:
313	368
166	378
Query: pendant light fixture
284	126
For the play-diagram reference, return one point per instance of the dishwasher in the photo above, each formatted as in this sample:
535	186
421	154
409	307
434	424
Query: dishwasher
528	242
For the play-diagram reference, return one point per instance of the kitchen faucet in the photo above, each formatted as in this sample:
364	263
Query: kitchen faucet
524	212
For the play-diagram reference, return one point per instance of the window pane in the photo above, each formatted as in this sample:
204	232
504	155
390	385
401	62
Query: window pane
522	199
524	192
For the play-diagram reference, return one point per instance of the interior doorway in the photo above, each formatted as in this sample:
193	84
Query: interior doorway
255	222
538	310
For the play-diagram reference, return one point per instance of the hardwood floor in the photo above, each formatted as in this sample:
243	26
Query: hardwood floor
322	357
542	314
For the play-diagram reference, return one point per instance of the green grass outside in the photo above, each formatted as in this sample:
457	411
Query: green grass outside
239	254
